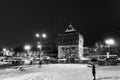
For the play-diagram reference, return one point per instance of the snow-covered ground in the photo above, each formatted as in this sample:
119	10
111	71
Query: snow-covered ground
60	72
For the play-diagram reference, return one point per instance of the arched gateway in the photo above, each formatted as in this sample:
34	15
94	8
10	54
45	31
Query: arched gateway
70	44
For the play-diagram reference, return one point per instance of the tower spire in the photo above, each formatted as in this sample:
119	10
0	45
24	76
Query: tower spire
70	28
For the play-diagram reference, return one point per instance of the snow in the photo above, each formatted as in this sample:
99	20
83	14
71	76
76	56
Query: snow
2	63
60	72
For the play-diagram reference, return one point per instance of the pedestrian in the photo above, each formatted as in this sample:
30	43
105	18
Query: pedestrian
31	63
40	63
94	71
47	60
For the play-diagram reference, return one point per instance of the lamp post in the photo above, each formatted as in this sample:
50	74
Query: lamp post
39	45
109	42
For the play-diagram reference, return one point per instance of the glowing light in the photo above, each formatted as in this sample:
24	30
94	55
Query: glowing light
4	49
110	41
39	46
27	47
40	36
44	35
37	35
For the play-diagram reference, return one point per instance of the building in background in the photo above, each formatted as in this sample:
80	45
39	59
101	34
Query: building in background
70	44
50	49
7	52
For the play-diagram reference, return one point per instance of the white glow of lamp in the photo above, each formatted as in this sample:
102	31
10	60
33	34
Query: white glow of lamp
39	46
27	47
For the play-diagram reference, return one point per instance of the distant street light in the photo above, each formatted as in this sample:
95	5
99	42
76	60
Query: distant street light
39	44
4	49
27	47
37	35
44	35
109	43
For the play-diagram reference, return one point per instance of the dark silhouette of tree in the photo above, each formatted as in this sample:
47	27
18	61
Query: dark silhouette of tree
18	49
34	48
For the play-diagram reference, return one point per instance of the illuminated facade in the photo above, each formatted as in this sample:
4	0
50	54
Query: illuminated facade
70	44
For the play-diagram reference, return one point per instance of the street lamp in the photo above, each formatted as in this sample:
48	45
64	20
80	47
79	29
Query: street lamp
44	35
37	35
27	48
39	45
41	36
109	43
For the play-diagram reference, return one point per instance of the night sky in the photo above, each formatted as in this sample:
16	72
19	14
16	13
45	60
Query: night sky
21	19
